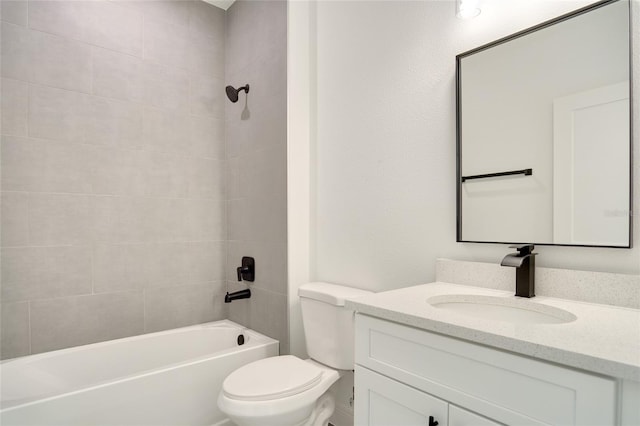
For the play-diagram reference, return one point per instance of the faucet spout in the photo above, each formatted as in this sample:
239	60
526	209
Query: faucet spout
242	294
514	260
525	263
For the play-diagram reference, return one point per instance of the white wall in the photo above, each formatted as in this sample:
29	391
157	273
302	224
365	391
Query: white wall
375	85
385	141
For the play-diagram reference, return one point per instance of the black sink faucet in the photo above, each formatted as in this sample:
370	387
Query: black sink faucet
525	263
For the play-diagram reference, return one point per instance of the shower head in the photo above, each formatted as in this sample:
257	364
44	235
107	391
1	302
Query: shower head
232	93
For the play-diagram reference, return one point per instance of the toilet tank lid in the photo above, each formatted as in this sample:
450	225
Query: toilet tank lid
330	293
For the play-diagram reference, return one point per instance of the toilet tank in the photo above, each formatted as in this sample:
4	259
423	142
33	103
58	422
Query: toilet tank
328	325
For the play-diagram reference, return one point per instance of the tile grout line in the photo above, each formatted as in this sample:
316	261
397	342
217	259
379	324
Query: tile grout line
93	267
86	194
144	310
29	326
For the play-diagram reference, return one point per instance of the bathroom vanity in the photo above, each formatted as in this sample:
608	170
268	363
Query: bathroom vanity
464	355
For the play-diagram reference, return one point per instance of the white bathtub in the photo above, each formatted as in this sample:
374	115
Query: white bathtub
167	378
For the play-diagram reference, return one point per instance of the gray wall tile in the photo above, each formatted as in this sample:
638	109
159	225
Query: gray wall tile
114	26
118	267
56	114
80	320
37	165
207	20
206	178
166	44
45	272
113	168
111	122
207	138
14	42
206	261
14	11
13	218
181	306
64	18
115	171
59	62
232	176
167	265
117	75
164	175
255	130
59	219
14	335
205	220
269	314
165	87
264	172
270	125
238	222
175	12
238	135
104	219
164	130
206	56
206	96
273	77
15	100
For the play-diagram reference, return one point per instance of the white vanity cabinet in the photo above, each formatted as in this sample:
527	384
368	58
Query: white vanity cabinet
405	375
384	402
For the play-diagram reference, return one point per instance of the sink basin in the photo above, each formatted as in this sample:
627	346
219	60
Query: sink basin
518	311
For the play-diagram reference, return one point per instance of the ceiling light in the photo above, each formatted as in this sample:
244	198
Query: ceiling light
467	9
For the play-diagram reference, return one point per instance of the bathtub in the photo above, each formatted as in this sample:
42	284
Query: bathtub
167	378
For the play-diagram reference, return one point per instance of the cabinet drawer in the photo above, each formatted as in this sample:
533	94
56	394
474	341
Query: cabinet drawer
509	388
380	401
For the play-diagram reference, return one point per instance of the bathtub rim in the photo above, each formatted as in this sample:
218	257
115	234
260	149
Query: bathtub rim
259	339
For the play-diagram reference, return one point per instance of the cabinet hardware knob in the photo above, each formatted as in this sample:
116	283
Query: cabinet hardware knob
432	421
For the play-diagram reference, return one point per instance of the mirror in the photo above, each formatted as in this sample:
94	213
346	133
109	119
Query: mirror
543	133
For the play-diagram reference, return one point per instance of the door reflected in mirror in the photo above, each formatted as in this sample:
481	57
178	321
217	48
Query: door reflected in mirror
544	140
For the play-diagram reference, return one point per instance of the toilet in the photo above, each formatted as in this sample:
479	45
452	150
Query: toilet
286	390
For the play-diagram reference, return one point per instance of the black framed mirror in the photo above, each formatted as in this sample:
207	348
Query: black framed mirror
543	123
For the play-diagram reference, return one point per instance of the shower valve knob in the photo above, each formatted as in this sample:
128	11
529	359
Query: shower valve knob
247	272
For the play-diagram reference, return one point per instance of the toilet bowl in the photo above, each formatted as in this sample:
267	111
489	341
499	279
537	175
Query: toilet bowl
279	391
289	391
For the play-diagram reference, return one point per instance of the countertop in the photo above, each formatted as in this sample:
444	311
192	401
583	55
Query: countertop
603	339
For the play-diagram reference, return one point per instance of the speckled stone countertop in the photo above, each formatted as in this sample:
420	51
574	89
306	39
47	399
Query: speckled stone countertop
602	339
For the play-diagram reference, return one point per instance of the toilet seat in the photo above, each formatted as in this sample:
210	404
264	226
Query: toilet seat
271	378
279	410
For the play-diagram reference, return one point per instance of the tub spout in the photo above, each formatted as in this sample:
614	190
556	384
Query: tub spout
242	294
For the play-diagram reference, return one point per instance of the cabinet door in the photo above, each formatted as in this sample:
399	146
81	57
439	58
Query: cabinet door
509	388
380	401
460	417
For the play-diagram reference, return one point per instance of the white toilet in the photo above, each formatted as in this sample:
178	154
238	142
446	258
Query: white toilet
289	391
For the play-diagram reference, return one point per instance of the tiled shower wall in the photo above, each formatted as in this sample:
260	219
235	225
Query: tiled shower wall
113	163
256	130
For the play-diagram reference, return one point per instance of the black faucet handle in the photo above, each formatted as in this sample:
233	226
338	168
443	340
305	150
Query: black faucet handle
523	249
247	272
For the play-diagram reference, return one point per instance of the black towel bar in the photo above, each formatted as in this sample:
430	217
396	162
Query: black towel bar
526	172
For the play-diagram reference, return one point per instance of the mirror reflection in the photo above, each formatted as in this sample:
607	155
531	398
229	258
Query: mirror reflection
544	133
